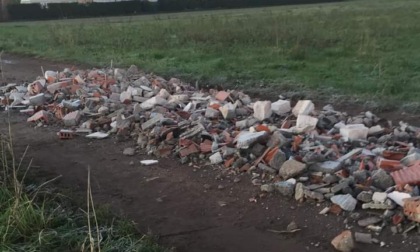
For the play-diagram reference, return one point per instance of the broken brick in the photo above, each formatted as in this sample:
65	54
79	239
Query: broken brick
222	95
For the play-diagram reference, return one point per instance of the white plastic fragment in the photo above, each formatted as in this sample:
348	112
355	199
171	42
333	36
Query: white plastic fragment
398	197
98	135
148	162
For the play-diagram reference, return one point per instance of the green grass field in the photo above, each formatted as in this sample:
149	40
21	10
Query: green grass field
369	48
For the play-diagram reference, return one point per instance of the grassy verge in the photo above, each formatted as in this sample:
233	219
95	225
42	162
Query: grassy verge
369	48
38	218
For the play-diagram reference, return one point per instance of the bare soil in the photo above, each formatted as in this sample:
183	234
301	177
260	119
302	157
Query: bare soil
181	204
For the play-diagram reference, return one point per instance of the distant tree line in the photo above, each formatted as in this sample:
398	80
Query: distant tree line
35	11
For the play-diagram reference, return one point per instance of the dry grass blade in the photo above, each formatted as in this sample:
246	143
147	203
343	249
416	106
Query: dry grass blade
90	205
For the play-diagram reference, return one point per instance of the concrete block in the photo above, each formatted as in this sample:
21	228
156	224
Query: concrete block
72	118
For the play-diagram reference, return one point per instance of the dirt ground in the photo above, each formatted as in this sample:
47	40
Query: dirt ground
180	204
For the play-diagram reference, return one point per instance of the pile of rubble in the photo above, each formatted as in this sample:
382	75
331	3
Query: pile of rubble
352	161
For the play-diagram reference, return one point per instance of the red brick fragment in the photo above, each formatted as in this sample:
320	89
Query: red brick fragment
229	162
222	95
64	134
191	149
205	146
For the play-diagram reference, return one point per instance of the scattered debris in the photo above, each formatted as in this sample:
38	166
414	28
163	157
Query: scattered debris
300	152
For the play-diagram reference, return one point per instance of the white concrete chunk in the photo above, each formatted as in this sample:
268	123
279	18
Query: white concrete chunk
354	132
262	110
281	107
303	107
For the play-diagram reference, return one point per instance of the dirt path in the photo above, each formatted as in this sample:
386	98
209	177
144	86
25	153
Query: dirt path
179	203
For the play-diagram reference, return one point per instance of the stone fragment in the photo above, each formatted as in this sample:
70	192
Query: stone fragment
343	242
360	176
277	140
211	113
103	110
143	81
410	159
128	151
364	238
369	221
299	192
339	187
285	188
314	195
278	160
326	167
152	121
245	99
365	196
292	227
267	188
291	168
381	179
257	149
152	102
266	168
346	202
330	179
262	110
311	158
